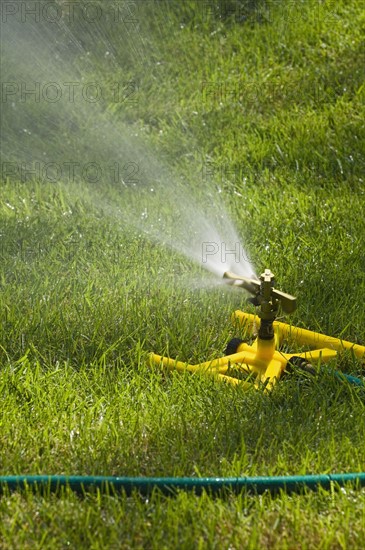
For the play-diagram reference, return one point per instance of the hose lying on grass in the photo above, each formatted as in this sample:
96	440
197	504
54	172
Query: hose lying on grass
170	485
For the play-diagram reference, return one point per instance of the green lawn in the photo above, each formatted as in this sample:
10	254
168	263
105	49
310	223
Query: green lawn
255	105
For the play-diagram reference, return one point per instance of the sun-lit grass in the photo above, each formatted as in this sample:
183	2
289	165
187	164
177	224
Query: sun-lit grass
85	297
185	521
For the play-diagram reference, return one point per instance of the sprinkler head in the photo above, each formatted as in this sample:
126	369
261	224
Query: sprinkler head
264	293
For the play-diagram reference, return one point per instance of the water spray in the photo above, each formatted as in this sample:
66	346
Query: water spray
262	362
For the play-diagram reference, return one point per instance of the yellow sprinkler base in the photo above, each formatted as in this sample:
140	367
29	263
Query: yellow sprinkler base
263	359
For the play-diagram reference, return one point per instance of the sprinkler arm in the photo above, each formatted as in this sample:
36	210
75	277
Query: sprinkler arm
263	290
251	285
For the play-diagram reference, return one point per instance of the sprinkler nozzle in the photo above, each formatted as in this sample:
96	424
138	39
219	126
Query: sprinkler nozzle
251	285
264	292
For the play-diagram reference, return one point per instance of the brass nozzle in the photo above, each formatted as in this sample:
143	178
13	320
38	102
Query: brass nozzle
264	290
251	285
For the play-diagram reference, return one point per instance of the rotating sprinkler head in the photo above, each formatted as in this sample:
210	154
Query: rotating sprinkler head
265	296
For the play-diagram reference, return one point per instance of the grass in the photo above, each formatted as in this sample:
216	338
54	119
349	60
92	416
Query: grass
85	298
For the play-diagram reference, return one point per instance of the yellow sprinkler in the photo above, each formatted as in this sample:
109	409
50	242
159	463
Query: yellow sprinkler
263	361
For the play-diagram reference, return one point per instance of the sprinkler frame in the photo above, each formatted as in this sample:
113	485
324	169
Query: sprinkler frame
263	361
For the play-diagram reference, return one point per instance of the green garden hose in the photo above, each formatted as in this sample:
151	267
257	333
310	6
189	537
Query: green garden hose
169	485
